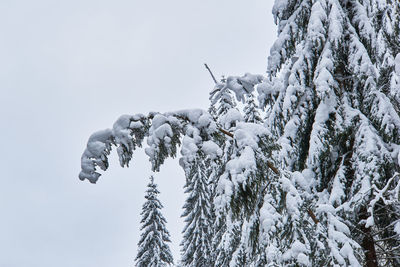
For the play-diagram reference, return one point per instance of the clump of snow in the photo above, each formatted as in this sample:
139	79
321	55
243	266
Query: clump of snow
159	133
243	85
204	120
245	138
398	158
338	187
98	147
316	29
370	222
397	64
269	216
162	131
211	149
297	251
266	91
301	180
335	24
136	125
278	8
230	118
397	228
189	148
347	251
224	191
293	199
303	259
298	247
158	120
245	162
253	128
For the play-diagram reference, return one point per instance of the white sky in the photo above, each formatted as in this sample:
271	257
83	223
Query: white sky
69	68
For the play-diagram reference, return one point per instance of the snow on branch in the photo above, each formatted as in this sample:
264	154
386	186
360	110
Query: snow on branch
163	132
96	152
389	194
241	86
269	163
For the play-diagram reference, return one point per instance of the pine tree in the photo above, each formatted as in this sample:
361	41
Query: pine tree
153	249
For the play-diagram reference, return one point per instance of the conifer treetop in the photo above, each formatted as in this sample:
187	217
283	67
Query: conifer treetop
153	249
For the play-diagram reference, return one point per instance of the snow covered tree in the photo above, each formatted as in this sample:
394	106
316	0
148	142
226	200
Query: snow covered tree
221	99
251	110
228	230
317	183
198	231
389	35
337	127
153	249
222	240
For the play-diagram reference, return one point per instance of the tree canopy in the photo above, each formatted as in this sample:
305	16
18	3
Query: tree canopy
309	174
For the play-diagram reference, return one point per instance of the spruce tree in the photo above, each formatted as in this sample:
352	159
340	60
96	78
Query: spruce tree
317	183
251	110
153	249
198	231
221	99
223	103
340	127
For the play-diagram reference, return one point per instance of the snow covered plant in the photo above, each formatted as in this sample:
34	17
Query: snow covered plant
153	249
307	175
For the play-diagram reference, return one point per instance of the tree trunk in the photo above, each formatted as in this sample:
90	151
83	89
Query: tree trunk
368	243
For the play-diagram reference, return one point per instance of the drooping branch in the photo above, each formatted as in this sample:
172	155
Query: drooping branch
163	131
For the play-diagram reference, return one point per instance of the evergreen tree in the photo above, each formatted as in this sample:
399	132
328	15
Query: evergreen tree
317	184
224	104
251	110
341	126
153	249
387	21
197	234
221	99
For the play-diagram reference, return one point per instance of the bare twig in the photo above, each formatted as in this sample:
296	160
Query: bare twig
226	132
272	167
312	215
212	75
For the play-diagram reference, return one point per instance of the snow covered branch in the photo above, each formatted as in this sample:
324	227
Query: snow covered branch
163	132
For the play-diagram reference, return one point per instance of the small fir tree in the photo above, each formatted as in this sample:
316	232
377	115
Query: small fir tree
251	110
153	250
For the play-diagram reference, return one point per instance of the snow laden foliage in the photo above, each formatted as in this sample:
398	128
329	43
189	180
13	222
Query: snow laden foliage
198	231
251	113
304	169
163	133
153	250
334	106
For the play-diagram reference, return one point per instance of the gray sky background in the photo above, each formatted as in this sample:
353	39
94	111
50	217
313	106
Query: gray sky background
69	68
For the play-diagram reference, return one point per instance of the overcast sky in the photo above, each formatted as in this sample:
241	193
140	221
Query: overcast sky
69	68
